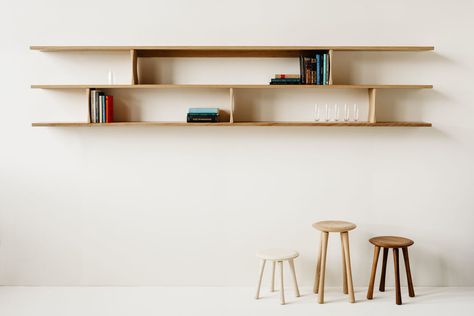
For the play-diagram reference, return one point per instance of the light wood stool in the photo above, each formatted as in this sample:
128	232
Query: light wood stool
343	228
387	242
277	256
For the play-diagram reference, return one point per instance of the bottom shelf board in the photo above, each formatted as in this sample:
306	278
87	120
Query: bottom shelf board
322	124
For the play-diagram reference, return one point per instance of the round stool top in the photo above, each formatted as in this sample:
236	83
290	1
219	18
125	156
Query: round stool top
277	254
391	241
334	226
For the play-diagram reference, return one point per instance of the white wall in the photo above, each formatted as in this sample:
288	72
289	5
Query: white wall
189	206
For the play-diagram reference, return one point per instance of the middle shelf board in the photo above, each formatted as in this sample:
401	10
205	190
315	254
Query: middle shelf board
234	86
250	123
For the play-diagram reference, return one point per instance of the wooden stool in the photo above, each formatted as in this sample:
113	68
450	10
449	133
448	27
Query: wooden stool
387	242
343	228
277	256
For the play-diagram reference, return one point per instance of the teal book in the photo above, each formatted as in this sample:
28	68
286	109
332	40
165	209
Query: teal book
325	74
102	99
214	111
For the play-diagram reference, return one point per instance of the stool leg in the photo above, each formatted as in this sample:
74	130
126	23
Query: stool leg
282	290
262	267
272	285
324	244
411	290
347	257
293	273
318	268
344	273
397	277
384	270
370	291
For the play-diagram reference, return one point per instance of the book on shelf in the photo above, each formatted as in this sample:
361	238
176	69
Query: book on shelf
285	81
287	76
192	118
202	115
214	111
101	107
109	109
302	78
319	79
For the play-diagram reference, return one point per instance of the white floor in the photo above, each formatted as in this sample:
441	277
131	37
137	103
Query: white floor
209	301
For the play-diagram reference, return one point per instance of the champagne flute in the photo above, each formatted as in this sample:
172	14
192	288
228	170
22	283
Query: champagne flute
346	113
327	112
356	112
316	113
336	112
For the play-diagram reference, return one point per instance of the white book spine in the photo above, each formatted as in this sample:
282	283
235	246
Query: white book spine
92	106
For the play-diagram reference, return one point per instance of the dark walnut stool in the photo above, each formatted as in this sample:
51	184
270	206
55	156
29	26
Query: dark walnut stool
343	228
387	242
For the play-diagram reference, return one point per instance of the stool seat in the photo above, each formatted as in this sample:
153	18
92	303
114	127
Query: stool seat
391	241
277	254
334	226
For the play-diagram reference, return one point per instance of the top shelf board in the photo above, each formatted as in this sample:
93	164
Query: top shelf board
227	51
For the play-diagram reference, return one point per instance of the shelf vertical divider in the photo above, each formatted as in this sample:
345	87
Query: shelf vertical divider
232	101
372	93
134	62
331	67
88	96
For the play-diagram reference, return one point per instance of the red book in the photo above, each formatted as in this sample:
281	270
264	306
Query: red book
109	109
285	76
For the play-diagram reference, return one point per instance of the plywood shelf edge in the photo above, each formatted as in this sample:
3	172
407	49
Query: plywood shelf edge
253	123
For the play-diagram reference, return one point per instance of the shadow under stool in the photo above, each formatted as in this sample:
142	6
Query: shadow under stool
343	228
387	242
277	256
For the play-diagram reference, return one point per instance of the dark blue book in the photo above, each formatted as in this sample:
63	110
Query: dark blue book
104	111
285	80
318	69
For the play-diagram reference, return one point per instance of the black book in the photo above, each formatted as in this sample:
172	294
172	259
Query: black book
191	118
302	70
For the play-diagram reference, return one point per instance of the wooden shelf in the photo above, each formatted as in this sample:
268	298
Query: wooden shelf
234	86
137	52
227	51
307	124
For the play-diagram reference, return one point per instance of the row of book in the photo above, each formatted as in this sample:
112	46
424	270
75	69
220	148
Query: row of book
203	115
313	70
101	107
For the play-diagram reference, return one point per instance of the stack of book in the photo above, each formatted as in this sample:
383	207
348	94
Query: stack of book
203	115
315	70
101	107
286	79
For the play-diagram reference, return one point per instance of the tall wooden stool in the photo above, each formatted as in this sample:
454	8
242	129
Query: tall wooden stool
387	242
343	228
277	256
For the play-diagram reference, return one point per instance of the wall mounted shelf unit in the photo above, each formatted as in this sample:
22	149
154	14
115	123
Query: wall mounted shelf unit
137	52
